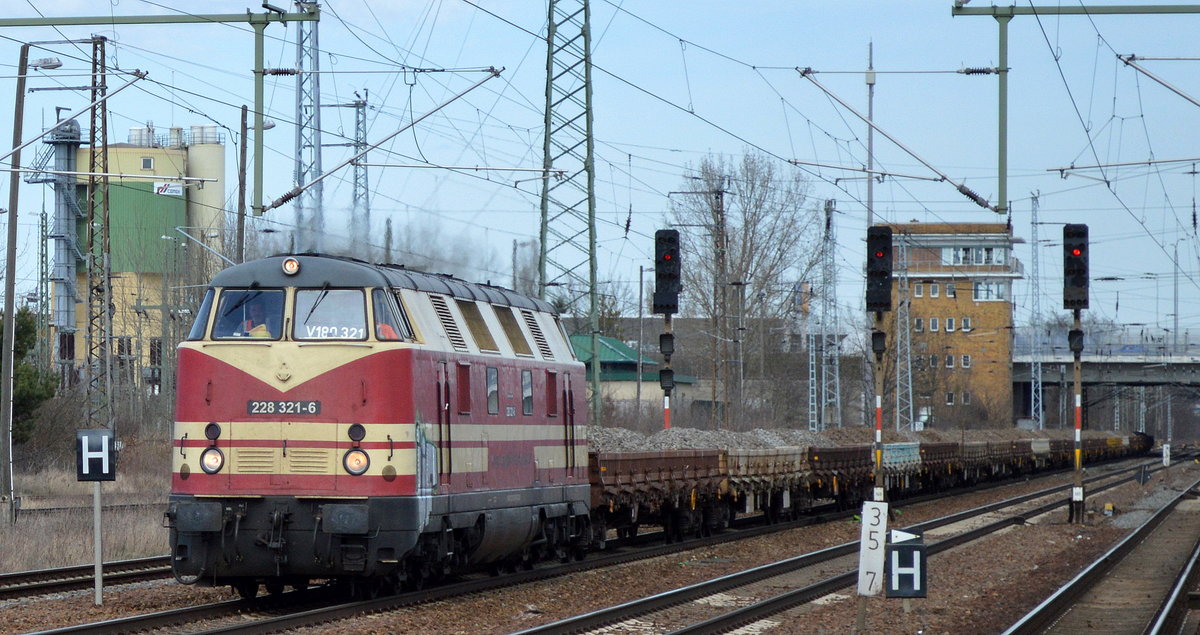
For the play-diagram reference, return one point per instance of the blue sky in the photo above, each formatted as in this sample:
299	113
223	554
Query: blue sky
677	81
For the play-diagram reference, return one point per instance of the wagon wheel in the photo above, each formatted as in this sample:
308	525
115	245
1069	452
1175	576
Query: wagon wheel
248	589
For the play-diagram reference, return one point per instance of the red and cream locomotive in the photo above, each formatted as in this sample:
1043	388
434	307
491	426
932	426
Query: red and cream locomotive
342	420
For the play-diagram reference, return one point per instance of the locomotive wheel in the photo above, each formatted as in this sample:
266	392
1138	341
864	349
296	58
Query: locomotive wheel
274	587
248	589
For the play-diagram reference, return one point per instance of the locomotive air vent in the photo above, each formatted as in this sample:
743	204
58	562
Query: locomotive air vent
309	461
538	337
254	460
447	319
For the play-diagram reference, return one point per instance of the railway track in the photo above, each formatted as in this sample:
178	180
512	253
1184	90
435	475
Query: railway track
1140	585
715	607
294	610
62	579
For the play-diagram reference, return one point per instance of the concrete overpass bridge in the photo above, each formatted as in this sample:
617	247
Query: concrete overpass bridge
1134	378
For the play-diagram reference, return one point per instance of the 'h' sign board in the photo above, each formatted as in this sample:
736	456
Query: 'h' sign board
95	455
904	571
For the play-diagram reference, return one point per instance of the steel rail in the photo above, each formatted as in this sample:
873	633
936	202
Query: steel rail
26	583
782	602
1054	606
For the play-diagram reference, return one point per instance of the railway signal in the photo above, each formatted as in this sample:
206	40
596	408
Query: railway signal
667	282
879	268
1075	266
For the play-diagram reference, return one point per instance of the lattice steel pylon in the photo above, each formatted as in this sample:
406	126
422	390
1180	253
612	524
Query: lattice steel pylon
97	368
1035	306
810	340
567	257
360	206
904	398
360	209
831	348
310	214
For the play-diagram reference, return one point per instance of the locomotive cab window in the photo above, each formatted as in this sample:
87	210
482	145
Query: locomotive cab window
249	313
330	314
390	323
200	325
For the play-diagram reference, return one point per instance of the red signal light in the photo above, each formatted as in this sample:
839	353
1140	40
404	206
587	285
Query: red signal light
879	254
1076	251
666	256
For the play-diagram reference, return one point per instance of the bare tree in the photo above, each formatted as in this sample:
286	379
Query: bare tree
748	233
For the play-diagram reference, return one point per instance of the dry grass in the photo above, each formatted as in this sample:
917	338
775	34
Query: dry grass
41	541
46	541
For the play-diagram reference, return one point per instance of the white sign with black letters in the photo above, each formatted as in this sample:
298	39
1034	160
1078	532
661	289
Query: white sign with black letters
871	548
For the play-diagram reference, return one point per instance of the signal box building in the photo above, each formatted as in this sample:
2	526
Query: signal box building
151	261
959	286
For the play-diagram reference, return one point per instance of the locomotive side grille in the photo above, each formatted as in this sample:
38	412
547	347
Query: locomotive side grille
443	313
309	461
538	336
254	460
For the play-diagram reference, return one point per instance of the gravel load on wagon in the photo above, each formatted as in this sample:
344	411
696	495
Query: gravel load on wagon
602	439
606	439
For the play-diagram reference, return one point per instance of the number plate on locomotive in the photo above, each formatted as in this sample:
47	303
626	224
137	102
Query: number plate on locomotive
283	407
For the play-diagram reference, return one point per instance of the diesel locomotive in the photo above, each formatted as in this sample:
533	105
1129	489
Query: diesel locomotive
338	419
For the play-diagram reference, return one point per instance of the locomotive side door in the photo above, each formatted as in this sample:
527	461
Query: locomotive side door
444	466
568	397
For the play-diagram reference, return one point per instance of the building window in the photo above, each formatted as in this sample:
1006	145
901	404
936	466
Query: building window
156	351
949	325
918	290
966	398
919	324
966	323
933	325
989	291
949	360
933	361
950	290
147	163
966	363
949	399
933	290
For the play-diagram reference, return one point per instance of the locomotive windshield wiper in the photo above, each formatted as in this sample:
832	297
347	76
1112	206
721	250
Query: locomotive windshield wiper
320	298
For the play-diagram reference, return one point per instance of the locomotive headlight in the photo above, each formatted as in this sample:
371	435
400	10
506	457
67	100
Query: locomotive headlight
212	460
356	462
291	266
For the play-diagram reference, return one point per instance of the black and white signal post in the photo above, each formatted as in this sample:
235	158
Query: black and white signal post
96	461
667	284
1075	298
875	511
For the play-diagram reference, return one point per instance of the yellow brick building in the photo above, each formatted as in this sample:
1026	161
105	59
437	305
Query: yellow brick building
959	287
